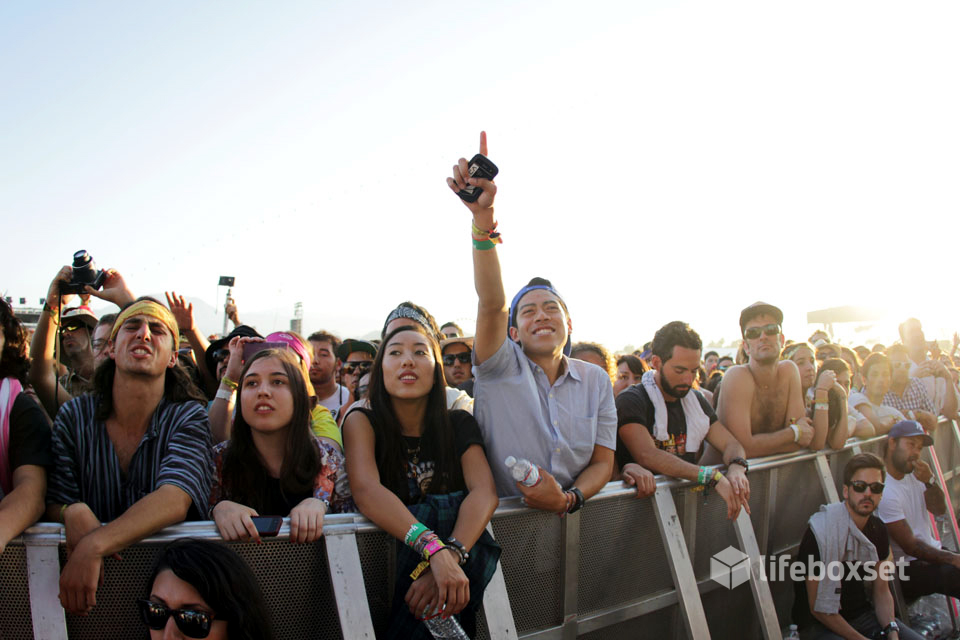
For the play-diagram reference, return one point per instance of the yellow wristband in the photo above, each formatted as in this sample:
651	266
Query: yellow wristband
63	508
230	383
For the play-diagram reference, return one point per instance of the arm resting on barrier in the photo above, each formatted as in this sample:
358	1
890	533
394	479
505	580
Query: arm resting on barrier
596	474
481	501
902	534
832	621
165	506
24	505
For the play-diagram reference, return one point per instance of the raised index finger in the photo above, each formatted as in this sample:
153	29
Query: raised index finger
483	143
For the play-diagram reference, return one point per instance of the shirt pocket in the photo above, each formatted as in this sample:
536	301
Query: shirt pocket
580	434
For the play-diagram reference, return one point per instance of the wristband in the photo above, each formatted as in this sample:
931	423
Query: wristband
741	462
821	406
456	545
423	566
717	477
224	394
432	547
483	245
415	531
230	383
796	432
62	509
426	538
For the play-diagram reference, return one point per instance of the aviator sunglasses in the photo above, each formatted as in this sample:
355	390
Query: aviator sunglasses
192	623
753	333
450	358
876	488
362	367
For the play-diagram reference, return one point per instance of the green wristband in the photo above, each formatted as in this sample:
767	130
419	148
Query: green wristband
483	245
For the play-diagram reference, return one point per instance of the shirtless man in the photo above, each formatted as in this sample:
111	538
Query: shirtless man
761	402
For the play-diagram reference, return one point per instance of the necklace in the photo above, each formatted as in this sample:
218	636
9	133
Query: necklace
414	454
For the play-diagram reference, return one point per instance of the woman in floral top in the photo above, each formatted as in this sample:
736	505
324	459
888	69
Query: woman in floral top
273	465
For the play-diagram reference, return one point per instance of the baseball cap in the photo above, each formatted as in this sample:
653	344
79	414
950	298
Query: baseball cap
907	428
468	340
350	345
757	309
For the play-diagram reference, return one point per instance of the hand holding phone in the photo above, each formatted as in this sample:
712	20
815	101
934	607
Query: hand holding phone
471	180
267	525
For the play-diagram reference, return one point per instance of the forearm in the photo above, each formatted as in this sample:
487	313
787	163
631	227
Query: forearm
950	400
221	417
42	374
384	509
838	436
733	450
475	512
594	477
165	506
659	461
883	604
935	501
765	444
19	509
923	551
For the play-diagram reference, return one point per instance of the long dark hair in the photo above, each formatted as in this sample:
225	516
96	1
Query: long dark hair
223	580
244	476
14	362
390	447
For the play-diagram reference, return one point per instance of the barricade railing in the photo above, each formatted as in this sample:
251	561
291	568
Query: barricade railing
620	567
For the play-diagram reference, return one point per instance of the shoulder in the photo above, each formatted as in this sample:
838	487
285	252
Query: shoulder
76	414
875	531
737	379
508	353
788	369
460	419
633	396
26	409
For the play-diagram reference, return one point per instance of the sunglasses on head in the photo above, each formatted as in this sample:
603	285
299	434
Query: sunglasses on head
450	358
860	486
350	367
192	623
753	333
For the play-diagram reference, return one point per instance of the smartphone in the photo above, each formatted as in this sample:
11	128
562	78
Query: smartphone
267	525
479	167
251	348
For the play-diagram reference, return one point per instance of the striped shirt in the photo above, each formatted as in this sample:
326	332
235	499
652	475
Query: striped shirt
914	398
176	450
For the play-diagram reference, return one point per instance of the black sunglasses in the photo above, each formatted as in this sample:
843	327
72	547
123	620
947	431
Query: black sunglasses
220	355
860	487
753	333
191	622
450	358
350	367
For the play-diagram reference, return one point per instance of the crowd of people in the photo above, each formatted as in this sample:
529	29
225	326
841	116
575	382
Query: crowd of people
121	425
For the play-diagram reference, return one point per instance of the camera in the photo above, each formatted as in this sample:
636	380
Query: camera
85	273
479	167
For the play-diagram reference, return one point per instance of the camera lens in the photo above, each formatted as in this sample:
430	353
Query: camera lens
84	269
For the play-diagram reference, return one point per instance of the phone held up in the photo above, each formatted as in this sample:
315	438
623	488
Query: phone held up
267	525
479	167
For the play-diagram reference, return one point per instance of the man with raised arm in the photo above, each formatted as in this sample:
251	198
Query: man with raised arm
532	401
135	454
911	492
761	402
663	421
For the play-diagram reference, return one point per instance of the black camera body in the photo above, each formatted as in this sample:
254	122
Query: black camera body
85	273
479	167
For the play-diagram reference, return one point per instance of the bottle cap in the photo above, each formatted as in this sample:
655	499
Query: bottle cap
510	461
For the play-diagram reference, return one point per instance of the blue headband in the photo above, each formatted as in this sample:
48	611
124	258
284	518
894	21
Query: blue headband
512	319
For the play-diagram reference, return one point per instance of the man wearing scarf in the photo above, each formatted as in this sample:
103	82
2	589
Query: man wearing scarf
135	454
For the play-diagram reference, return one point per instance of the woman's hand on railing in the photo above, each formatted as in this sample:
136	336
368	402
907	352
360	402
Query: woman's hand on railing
306	521
234	523
733	495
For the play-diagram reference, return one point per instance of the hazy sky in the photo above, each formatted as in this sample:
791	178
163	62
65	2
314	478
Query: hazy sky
658	160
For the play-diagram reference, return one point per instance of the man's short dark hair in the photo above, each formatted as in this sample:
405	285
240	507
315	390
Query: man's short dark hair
637	366
837	365
107	319
722	358
872	361
454	325
323	336
674	334
862	461
711	353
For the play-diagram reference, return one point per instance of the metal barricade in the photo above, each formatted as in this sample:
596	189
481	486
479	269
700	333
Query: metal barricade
620	567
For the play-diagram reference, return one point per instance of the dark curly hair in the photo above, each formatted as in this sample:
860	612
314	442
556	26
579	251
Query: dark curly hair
223	580
14	361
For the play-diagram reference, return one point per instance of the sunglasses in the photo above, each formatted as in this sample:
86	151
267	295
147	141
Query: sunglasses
860	487
220	355
350	367
70	328
753	333
192	623
450	358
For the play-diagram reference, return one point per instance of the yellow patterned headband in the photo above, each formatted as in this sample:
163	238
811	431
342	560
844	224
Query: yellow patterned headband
152	309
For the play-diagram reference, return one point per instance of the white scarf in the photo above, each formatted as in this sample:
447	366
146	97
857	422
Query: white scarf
698	424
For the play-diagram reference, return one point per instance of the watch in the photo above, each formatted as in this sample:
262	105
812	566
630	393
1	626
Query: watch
741	462
891	626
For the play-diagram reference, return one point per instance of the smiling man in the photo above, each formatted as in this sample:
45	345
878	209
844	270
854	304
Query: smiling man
912	492
532	401
761	402
135	454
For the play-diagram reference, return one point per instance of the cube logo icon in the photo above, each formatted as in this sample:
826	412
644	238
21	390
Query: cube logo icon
730	567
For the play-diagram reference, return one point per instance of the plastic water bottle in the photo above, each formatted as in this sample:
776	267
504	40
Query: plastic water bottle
446	629
523	471
792	634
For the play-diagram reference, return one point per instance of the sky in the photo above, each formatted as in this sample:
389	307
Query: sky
658	160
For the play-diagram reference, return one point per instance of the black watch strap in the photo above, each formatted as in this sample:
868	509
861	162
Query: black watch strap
742	462
578	503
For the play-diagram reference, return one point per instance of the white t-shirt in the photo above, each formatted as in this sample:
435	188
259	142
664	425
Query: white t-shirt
337	400
936	388
903	500
882	411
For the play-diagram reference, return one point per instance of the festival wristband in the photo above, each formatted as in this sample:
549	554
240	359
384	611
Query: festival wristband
717	477
230	383
415	531
796	432
423	566
62	509
483	245
225	394
432	547
425	538
821	406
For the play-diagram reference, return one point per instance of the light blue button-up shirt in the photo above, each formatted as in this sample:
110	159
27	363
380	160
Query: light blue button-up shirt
554	426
